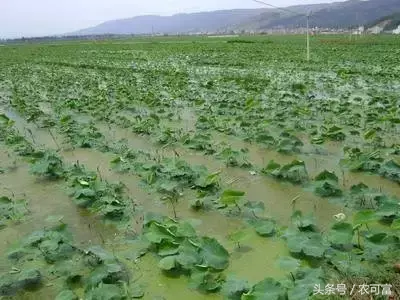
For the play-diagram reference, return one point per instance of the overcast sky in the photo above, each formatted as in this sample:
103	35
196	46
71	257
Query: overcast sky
44	17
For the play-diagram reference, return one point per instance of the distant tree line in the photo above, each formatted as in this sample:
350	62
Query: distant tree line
67	38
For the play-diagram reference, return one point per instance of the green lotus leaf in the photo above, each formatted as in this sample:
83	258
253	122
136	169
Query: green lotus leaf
167	263
341	234
268	289
264	227
213	254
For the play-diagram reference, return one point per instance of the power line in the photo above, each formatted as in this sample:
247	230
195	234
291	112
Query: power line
295	14
282	8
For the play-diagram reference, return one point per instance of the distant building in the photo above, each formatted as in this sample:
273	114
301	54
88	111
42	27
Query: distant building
360	30
375	30
397	31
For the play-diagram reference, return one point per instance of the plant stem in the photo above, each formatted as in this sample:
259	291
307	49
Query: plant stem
54	139
293	278
173	208
254	214
98	171
238	207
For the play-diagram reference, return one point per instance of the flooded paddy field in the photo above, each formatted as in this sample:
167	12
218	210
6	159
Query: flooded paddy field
168	168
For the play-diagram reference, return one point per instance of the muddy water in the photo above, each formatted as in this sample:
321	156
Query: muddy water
134	141
50	199
47	199
43	138
188	119
330	161
263	252
317	159
277	196
159	286
211	222
259	259
254	265
44	199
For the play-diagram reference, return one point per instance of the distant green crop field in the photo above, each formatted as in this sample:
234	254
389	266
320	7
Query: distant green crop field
200	168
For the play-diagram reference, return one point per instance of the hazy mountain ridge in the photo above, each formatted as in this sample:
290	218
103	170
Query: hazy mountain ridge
332	15
389	22
346	14
180	23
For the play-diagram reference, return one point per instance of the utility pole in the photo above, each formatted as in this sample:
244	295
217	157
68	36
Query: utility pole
308	37
296	14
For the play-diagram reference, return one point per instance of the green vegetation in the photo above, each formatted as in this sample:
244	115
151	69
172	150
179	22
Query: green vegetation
198	168
294	172
99	272
182	251
11	210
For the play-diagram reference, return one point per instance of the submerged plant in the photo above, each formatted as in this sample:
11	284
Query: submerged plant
200	142
82	135
170	193
288	143
327	185
265	227
234	158
47	164
14	282
182	251
357	160
102	197
11	210
100	274
11	137
232	198
229	93
295	172
391	170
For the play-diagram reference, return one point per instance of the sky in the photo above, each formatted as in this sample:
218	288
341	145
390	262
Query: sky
47	17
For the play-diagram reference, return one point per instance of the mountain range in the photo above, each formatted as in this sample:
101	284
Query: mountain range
388	23
332	15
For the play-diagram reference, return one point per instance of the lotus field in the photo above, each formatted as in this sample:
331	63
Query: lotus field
200	168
